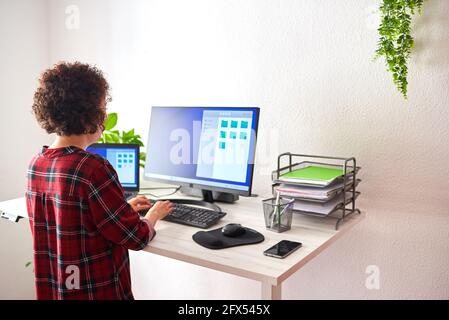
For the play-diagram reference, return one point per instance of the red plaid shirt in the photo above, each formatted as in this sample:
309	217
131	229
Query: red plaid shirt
82	226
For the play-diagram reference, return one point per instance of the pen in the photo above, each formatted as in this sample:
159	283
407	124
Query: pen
276	209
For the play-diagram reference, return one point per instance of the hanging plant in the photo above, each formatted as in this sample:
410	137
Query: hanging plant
396	41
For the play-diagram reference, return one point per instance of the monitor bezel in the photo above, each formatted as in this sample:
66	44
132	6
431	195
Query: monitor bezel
121	146
201	186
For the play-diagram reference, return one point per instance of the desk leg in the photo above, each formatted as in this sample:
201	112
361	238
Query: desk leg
271	292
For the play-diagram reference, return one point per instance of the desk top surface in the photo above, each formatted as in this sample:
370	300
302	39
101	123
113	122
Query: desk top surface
175	241
315	234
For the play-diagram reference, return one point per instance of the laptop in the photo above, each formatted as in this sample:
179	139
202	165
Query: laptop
125	160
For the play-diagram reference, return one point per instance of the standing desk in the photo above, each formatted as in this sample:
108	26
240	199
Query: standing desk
175	241
248	261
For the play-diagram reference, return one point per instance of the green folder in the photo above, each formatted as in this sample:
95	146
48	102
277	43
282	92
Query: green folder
313	174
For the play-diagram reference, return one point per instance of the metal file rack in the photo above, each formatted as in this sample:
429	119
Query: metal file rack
348	193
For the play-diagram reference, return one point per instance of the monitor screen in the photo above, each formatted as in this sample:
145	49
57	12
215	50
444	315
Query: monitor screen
209	147
125	160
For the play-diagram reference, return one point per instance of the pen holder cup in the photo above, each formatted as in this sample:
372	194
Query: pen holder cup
278	216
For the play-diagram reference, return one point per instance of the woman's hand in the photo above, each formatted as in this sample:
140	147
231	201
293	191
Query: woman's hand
159	211
140	203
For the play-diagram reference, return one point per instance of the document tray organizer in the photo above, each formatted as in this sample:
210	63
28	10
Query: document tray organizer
343	198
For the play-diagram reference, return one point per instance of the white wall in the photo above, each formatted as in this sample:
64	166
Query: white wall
24	54
308	65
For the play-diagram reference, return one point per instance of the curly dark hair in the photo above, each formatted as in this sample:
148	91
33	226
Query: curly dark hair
69	99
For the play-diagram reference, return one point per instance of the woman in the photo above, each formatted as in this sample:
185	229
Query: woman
81	223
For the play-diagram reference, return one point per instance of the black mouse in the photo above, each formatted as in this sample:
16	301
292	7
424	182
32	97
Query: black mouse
233	230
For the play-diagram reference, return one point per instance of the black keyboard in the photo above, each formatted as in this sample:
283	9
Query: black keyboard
194	216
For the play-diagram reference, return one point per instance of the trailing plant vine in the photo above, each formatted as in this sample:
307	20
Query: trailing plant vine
396	41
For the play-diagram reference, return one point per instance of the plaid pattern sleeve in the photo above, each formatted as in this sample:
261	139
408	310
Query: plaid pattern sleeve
82	227
113	216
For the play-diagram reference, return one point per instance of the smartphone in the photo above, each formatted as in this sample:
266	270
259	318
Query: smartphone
282	249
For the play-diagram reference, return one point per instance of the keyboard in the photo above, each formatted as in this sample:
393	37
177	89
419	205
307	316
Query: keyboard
194	216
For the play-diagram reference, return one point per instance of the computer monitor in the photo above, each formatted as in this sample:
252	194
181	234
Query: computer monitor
206	148
125	160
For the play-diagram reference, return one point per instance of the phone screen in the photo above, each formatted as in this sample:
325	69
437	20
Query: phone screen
282	248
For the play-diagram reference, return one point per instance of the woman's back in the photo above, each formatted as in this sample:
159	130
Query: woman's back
82	226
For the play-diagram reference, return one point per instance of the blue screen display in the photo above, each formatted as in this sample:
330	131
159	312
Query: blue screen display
210	146
124	160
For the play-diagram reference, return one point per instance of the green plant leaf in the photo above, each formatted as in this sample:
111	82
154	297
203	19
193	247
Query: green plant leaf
123	137
129	134
142	158
137	141
111	121
112	138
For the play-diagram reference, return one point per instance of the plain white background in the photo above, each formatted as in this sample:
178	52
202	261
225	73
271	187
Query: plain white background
309	66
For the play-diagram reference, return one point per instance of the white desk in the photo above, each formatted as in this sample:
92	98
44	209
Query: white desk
175	241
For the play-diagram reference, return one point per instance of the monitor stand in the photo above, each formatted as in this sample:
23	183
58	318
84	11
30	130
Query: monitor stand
212	196
209	198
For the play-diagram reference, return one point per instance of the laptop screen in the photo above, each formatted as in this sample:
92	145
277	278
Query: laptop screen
125	160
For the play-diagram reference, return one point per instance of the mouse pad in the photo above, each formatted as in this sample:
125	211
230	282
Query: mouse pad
214	239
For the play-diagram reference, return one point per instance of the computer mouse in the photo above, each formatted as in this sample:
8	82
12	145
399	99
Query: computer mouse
233	230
